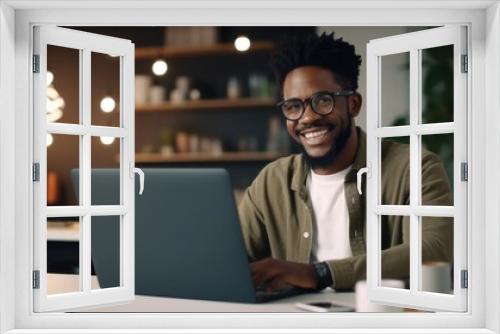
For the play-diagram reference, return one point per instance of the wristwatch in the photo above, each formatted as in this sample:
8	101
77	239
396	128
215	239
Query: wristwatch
323	275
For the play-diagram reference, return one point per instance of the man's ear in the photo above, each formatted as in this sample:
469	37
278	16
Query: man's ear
355	101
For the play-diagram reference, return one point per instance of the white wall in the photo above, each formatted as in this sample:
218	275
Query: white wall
396	79
7	173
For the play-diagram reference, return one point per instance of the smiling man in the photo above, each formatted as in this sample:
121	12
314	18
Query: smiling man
302	219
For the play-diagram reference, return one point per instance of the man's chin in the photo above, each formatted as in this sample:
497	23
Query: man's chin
320	160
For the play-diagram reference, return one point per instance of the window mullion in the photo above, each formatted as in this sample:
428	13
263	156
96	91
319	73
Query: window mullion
415	175
85	160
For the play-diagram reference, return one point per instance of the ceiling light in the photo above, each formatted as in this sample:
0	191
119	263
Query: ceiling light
107	140
242	43
50	78
50	139
108	104
160	67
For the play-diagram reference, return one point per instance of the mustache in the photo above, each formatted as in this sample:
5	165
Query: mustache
314	125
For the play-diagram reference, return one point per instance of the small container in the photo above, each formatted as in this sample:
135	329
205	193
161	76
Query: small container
194	94
182	83
194	143
233	88
142	84
182	142
156	94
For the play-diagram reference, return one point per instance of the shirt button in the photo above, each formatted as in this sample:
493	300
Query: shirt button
355	233
353	200
306	235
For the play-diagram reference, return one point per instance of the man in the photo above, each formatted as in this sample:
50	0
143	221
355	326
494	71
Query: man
302	219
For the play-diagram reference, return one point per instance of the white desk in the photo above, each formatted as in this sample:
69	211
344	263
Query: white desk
162	304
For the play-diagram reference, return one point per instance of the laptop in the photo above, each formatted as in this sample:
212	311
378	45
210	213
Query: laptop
188	240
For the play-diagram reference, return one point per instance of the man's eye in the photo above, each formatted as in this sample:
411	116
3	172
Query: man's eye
290	106
324	99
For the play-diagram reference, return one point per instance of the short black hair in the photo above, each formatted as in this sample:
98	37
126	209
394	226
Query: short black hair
324	51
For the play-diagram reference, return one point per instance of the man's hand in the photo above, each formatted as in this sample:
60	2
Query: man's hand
276	274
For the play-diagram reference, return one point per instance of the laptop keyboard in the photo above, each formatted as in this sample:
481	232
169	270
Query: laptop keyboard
263	295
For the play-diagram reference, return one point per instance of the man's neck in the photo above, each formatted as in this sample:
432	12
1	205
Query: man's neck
344	159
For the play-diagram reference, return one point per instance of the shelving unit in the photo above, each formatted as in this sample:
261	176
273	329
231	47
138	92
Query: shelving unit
153	158
208	104
211	67
216	49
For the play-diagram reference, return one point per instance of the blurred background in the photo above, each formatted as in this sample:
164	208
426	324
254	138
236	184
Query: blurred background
206	97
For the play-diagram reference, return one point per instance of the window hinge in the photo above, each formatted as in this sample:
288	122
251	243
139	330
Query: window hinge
464	168
465	64
36	279
36	172
36	63
464	279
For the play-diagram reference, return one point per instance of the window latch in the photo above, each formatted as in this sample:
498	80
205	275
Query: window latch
134	170
365	170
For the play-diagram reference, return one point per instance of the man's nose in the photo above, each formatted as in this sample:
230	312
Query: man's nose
309	115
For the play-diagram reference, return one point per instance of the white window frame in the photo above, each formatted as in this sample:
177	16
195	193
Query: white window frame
413	43
85	44
16	19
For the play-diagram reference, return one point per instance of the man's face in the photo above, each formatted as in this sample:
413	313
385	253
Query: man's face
321	137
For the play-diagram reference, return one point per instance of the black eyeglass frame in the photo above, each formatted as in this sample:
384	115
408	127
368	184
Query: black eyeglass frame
309	101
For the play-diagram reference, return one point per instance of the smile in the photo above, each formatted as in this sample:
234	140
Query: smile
316	135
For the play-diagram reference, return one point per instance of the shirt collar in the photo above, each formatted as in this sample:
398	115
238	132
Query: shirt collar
301	167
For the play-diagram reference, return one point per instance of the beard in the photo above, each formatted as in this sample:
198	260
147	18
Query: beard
337	146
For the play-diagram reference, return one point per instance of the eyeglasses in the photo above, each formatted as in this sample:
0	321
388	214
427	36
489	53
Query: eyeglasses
322	103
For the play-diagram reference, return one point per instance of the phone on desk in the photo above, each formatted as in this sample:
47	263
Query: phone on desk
323	307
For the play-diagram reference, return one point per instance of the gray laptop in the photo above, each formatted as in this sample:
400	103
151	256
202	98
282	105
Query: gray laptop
188	241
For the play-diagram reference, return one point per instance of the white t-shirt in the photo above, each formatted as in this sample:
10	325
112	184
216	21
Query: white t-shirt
331	216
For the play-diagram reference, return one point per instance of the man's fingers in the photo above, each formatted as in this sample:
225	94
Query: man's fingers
276	284
263	271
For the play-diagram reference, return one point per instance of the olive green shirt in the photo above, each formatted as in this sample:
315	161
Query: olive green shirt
277	217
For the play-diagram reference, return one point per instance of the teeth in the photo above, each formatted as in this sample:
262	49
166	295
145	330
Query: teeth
314	134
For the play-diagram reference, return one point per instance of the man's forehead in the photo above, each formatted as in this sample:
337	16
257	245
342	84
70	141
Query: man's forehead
307	80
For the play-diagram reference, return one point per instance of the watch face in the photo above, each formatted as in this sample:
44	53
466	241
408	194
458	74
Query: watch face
323	275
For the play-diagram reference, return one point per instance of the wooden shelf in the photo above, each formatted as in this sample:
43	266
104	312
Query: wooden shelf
208	104
217	49
206	157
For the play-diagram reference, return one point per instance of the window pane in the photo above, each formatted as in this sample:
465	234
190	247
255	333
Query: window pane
437	84
395	274
105	91
437	172
395	171
63	85
105	250
105	154
437	254
63	253
395	89
63	156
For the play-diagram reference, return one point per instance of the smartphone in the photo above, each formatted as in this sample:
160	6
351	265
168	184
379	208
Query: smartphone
324	307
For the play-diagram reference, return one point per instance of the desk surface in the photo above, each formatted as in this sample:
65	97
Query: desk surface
60	283
163	304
